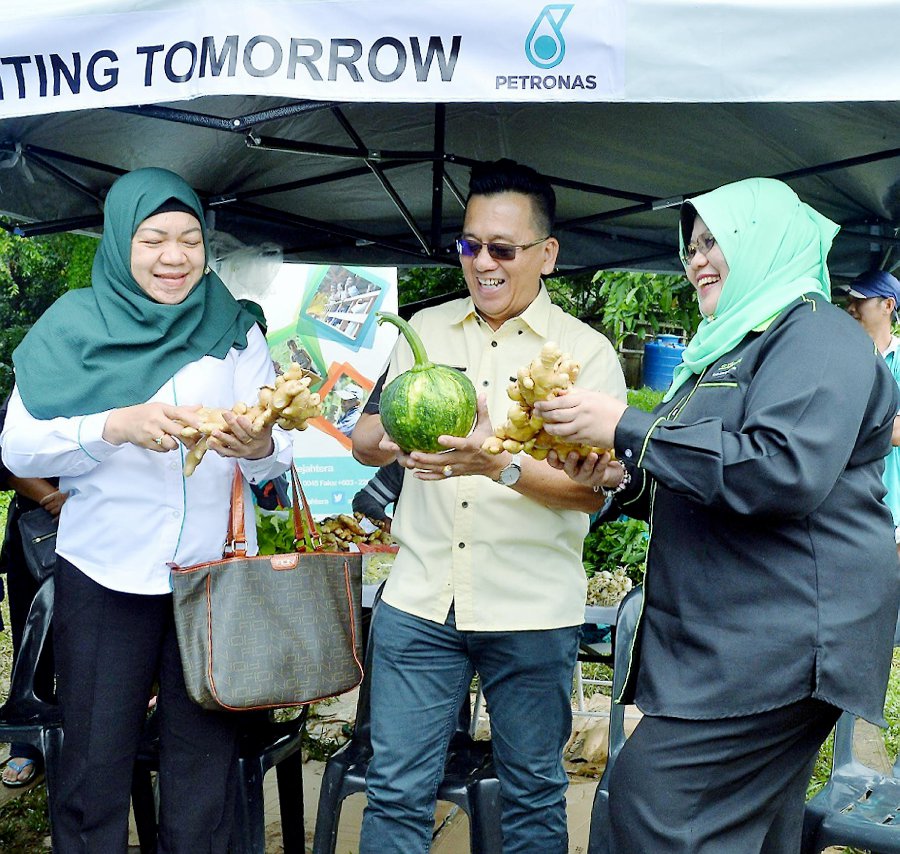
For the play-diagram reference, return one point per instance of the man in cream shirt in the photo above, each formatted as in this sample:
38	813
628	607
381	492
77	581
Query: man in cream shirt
488	577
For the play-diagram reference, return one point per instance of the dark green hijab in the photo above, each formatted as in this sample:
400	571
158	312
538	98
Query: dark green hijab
111	345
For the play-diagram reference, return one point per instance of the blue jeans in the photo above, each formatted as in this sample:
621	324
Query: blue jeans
420	673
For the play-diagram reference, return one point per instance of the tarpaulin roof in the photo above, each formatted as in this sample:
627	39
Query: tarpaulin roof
345	129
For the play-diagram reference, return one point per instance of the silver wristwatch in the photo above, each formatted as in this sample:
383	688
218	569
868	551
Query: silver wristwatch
510	474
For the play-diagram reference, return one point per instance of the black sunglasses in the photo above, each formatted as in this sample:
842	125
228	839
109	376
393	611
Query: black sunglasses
498	251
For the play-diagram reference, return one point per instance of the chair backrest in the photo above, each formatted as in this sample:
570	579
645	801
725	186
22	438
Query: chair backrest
626	627
843	753
22	702
362	726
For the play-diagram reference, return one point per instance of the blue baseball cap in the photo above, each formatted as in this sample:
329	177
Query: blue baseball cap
876	283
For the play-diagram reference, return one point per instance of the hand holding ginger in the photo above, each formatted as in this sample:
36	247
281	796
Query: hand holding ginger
583	416
550	375
288	403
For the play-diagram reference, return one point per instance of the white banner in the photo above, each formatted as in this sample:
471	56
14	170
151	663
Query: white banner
58	55
325	50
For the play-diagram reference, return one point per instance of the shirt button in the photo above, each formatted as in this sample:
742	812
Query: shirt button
465	504
176	514
486	383
493	343
628	453
462	545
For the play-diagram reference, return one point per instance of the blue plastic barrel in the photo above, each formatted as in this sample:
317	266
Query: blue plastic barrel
661	356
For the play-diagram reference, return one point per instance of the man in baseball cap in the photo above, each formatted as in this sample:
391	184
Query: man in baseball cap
351	399
874	298
876	283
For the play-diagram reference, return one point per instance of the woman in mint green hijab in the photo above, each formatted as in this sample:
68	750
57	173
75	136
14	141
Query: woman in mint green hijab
772	586
105	382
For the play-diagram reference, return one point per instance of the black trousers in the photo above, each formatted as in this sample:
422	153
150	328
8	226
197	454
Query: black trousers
110	649
727	786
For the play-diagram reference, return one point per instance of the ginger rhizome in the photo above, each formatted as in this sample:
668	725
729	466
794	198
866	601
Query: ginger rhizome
551	374
288	403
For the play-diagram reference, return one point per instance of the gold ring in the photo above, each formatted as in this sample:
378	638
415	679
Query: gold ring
447	471
159	439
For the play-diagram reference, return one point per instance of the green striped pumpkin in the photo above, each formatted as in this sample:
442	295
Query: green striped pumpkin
427	401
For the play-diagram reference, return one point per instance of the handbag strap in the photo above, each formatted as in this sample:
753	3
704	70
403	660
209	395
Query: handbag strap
304	526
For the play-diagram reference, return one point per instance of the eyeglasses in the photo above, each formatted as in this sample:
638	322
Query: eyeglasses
704	243
498	251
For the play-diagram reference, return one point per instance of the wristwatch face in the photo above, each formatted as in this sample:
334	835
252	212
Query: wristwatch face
509	476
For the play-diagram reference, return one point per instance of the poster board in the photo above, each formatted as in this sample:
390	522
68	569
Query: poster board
323	317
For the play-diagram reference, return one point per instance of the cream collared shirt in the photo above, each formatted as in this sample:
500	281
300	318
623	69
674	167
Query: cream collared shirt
506	561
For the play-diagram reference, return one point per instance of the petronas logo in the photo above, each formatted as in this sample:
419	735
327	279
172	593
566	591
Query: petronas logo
545	46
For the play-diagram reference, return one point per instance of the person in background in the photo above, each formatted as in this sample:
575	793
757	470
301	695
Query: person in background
382	490
299	355
25	761
352	285
765	613
488	577
105	382
873	301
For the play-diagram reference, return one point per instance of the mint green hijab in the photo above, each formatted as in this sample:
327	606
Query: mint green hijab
111	345
775	246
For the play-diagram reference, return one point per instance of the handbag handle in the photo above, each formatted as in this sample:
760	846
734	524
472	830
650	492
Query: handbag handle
304	526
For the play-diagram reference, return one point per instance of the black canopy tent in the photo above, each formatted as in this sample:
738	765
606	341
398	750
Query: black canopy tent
382	183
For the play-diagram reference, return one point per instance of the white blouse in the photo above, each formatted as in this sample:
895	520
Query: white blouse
131	511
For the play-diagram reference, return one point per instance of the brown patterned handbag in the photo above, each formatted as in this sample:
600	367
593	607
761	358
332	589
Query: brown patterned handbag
269	631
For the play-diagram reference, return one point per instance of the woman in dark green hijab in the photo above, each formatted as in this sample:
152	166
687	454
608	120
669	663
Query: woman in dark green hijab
771	589
105	382
114	343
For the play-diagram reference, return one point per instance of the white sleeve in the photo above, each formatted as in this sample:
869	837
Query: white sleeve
55	447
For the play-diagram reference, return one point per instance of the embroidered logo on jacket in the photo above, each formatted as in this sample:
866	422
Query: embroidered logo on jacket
726	370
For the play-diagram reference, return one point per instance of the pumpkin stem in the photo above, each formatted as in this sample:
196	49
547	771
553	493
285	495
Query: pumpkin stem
422	362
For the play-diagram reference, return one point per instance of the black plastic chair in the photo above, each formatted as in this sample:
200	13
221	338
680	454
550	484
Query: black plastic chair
626	627
25	717
858	806
264	744
470	780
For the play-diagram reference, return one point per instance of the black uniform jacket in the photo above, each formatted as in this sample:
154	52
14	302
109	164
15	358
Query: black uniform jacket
772	573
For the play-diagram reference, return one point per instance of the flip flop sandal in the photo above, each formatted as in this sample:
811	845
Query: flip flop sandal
19	767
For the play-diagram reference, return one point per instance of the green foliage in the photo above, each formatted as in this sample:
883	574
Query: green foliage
645	398
892	709
622	543
274	532
418	283
643	304
618	303
25	822
10	338
80	251
33	273
576	295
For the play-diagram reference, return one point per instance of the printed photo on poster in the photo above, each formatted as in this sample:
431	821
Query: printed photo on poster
344	302
344	394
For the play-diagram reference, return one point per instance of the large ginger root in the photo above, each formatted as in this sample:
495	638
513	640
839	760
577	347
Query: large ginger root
289	404
552	373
